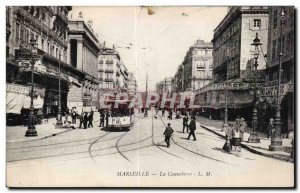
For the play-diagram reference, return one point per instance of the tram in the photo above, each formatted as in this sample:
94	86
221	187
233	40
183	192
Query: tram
121	117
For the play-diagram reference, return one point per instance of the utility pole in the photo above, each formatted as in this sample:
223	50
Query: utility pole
147	83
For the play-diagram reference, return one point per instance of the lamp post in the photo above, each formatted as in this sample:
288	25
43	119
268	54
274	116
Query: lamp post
253	138
31	131
59	122
225	123
276	142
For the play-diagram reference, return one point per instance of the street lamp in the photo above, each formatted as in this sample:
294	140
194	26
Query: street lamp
59	122
276	142
253	138
225	123
31	131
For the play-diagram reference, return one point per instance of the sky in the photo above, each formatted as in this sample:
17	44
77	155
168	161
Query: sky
155	44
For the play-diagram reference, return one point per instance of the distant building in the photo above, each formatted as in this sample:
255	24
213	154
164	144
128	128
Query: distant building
132	84
83	54
196	69
165	85
197	65
112	73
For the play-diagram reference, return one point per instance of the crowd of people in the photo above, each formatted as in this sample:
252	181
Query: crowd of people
234	133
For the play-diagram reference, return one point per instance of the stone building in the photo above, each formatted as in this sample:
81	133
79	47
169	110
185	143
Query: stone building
112	73
84	48
132	84
269	91
197	66
232	40
48	25
166	85
233	57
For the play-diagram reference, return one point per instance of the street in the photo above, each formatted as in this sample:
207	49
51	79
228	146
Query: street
139	157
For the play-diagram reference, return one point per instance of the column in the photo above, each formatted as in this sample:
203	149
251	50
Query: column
79	54
69	52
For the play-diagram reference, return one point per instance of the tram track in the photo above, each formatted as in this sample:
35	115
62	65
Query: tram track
193	152
156	145
94	142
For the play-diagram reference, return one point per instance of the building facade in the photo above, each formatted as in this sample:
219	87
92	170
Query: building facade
232	50
269	91
196	68
84	48
132	84
233	63
166	85
112	73
48	25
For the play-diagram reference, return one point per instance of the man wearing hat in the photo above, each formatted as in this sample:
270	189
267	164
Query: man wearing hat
243	126
270	128
192	127
168	133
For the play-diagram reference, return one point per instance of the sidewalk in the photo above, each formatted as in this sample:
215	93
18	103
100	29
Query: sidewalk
45	130
261	148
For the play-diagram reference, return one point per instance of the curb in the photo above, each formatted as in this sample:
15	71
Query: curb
252	149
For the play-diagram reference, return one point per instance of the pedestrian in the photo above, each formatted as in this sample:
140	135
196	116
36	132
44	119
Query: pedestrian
168	133
102	117
228	136
185	124
90	119
156	110
270	128
67	113
73	115
106	118
81	119
163	112
236	139
170	114
243	126
192	127
85	120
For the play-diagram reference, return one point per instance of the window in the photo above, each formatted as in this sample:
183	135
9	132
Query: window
43	47
257	23
200	65
17	31
274	49
101	75
275	13
43	16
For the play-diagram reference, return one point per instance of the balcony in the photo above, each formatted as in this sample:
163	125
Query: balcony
109	79
62	17
109	62
109	70
37	24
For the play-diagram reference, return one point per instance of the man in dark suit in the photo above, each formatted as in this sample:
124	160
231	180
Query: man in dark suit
168	133
192	127
102	117
185	124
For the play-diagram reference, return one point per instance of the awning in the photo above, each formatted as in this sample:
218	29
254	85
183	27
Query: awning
17	97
